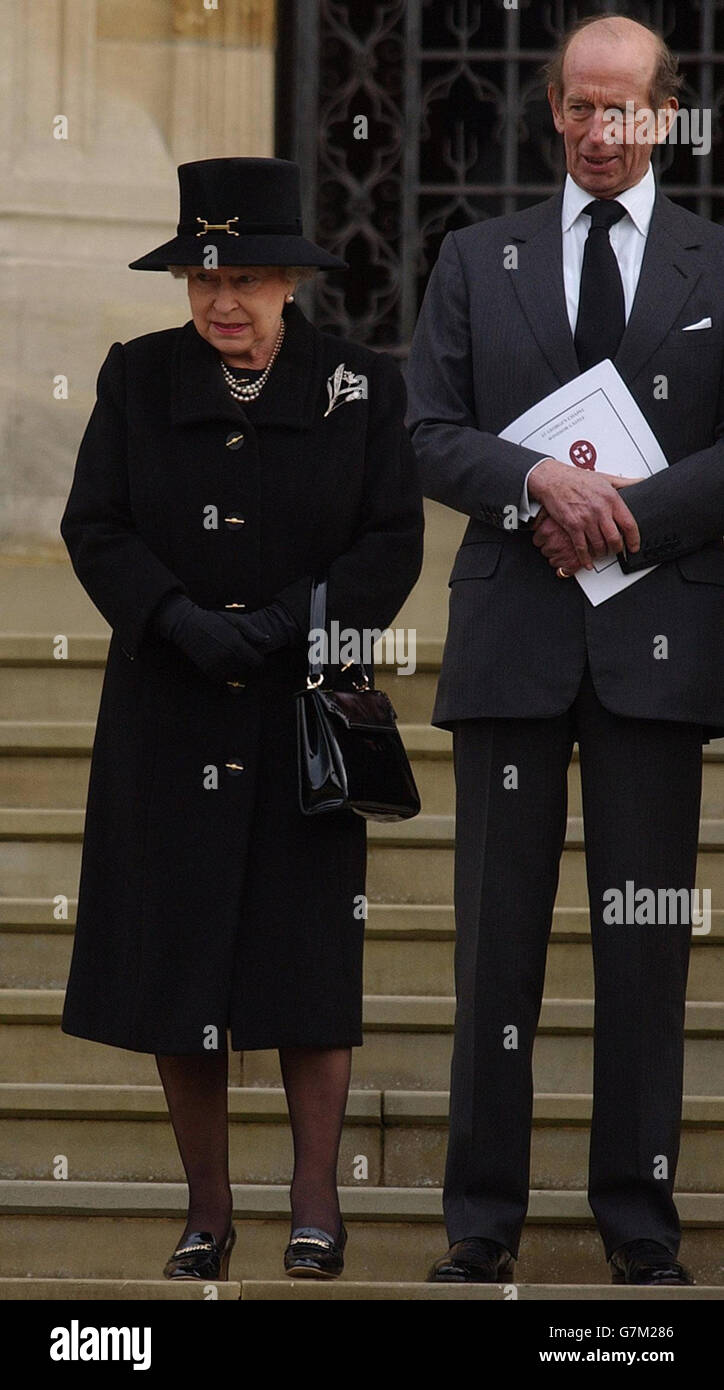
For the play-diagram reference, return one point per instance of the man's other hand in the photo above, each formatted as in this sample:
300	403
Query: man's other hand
587	506
555	543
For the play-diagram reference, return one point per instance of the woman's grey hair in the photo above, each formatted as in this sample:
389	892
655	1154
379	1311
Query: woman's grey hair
293	274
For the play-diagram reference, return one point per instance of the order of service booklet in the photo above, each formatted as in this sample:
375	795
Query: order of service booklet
594	422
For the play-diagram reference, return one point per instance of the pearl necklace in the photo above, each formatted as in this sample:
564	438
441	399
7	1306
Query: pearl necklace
244	390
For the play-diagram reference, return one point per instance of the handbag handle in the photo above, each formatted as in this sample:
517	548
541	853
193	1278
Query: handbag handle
318	619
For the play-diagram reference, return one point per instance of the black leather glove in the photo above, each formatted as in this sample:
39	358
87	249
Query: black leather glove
268	629
209	639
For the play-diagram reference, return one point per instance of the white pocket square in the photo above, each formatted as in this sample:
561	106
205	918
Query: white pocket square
691	327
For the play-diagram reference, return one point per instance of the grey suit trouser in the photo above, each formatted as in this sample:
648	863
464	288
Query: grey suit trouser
641	783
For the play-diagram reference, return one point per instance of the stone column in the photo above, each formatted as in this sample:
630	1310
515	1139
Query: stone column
142	87
223	82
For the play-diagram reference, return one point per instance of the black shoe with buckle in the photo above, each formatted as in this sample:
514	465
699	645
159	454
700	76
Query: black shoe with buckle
199	1256
476	1260
647	1262
314	1254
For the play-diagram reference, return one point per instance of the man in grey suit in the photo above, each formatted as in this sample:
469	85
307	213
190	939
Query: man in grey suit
515	307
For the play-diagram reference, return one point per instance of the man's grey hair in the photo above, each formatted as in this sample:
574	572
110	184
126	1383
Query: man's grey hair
666	81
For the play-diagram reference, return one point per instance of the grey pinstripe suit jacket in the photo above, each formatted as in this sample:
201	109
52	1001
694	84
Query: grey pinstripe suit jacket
491	341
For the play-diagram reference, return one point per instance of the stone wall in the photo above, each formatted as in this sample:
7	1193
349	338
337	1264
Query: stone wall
143	85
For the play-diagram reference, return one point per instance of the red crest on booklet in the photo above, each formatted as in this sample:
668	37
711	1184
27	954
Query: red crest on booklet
583	454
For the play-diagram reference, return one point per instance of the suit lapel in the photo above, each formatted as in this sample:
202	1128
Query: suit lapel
669	273
538	283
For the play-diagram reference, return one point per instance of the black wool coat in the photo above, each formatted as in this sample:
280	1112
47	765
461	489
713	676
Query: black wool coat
207	901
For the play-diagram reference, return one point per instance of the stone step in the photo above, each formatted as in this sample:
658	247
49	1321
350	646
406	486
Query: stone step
46	764
346	1291
407	1045
341	1291
430	752
408	950
414	1139
63	691
408	861
410	966
421	1061
413	862
47	824
122	1133
436	783
131	1290
126	1230
36	685
60	691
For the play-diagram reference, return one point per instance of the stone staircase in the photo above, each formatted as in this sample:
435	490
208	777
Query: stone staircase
105	1230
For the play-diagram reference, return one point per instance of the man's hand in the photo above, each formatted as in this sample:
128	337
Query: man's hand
555	543
587	507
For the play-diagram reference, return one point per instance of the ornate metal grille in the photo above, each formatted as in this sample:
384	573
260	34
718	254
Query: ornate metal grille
457	129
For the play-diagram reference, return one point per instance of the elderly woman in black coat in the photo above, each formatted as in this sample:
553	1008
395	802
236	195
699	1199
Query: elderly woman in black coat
226	464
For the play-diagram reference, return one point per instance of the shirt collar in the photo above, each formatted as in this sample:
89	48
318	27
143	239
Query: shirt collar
638	202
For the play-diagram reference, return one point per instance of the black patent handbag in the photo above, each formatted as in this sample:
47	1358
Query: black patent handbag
350	754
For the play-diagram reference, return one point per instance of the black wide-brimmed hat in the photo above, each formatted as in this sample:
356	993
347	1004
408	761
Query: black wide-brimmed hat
249	209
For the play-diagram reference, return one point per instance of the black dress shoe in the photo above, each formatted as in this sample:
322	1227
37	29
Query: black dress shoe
313	1254
646	1262
476	1260
199	1256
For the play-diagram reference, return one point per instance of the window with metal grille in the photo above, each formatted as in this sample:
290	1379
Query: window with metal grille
411	117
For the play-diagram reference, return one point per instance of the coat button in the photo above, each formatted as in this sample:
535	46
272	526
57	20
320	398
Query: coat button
234	440
234	523
234	768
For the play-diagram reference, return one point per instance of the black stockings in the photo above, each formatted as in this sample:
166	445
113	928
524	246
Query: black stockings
195	1088
316	1081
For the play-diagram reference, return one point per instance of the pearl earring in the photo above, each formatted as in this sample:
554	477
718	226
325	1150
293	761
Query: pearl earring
289	297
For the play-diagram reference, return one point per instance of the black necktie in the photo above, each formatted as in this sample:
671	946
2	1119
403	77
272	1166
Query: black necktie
601	307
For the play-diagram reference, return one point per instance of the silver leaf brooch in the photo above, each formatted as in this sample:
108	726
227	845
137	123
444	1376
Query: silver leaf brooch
344	385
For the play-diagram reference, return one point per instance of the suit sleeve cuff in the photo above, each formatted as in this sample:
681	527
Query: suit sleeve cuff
630	563
527	509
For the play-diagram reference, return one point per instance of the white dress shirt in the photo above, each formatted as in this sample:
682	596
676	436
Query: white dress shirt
628	241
